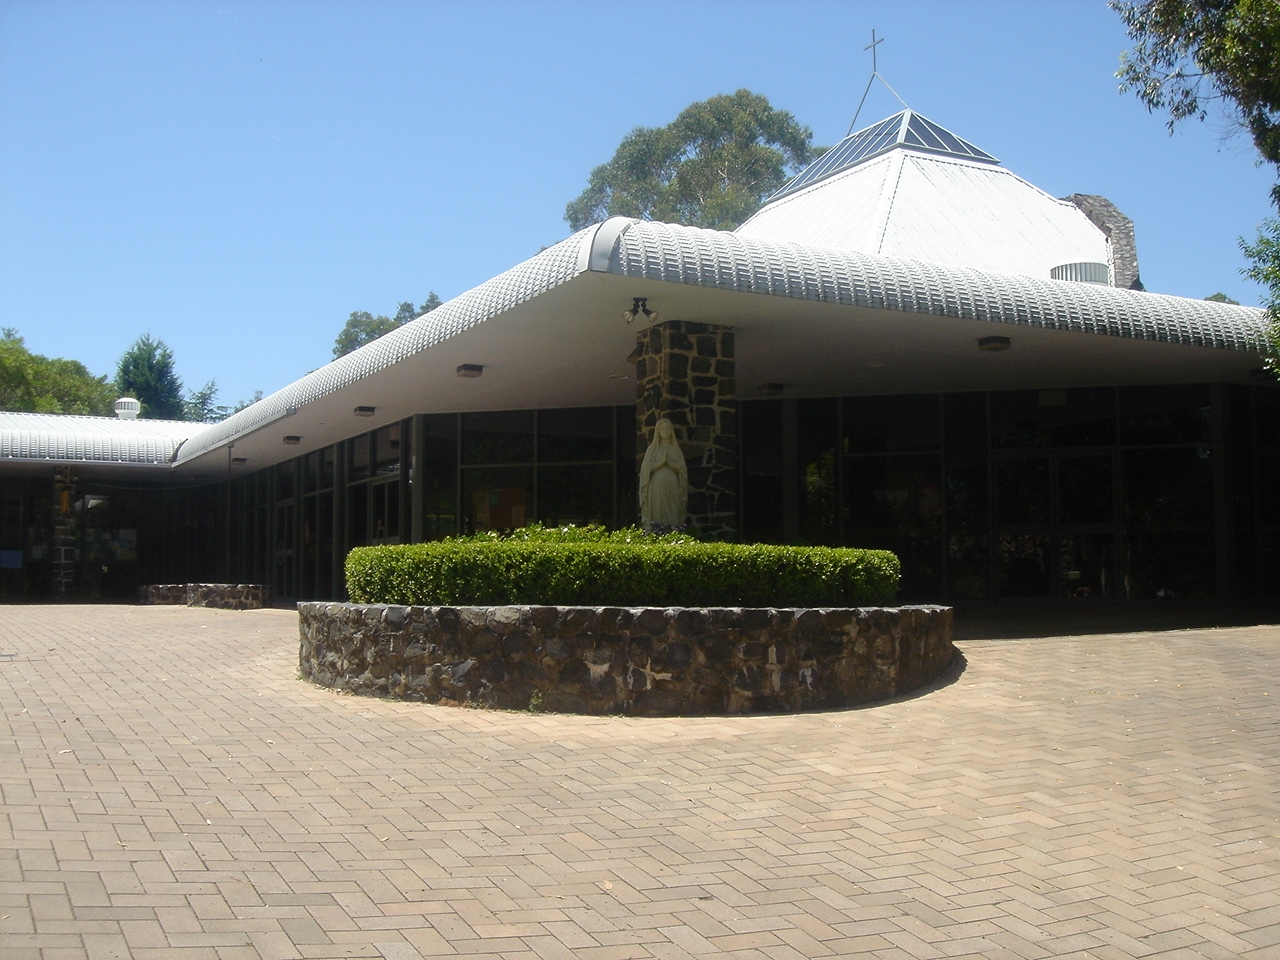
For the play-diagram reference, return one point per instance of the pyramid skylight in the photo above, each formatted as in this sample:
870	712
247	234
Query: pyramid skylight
906	129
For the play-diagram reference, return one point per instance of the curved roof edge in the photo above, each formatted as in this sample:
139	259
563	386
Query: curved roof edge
549	268
674	253
714	258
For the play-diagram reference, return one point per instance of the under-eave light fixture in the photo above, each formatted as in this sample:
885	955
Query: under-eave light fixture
994	344
640	308
771	389
239	459
365	411
470	371
293	440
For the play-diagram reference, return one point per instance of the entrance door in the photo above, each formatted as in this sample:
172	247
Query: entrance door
1056	525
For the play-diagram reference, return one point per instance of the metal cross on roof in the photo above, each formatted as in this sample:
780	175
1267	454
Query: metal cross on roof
875	74
872	47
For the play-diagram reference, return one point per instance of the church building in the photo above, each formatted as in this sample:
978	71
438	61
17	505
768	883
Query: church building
907	347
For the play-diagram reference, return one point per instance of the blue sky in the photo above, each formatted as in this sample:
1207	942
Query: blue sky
236	177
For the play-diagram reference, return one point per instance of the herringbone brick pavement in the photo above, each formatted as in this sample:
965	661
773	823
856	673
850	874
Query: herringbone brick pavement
170	789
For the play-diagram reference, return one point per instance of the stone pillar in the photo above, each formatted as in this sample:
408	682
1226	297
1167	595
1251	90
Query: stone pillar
685	373
64	533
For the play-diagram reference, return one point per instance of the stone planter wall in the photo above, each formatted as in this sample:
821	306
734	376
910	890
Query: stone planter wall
223	596
643	661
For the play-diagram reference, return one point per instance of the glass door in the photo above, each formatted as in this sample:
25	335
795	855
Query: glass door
1056	525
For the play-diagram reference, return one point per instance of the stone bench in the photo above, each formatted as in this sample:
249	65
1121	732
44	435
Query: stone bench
649	661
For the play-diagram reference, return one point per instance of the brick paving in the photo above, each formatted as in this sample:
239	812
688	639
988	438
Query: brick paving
170	789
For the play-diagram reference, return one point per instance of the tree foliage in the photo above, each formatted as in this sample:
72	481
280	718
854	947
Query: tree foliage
1264	269
1189	54
31	383
146	373
363	327
713	166
201	406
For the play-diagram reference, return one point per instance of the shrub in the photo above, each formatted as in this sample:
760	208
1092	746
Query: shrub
589	566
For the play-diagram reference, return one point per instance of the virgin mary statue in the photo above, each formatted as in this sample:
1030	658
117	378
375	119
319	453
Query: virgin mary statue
664	480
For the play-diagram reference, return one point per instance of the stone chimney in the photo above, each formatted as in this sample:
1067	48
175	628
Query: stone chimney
1119	230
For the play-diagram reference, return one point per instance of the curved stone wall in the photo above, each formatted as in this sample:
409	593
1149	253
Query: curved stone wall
643	661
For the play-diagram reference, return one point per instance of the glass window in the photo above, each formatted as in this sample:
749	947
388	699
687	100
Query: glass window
386	511
895	503
1026	560
1165	414
386	450
1022	490
440	475
968	545
762	473
310	471
359	453
575	494
357	515
1054	418
502	436
627	502
575	435
326	468
891	424
1168	494
816	449
1085	489
286	473
497	498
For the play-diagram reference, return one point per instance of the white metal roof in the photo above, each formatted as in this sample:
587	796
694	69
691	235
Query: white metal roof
550	334
102	440
942	209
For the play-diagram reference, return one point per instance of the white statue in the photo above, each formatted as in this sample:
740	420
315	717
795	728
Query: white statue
664	480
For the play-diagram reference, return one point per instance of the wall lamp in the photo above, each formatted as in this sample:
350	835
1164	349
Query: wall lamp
239	460
365	411
640	308
470	371
994	344
292	440
771	389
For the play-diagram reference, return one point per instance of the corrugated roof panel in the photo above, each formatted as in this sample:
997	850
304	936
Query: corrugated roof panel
652	251
35	436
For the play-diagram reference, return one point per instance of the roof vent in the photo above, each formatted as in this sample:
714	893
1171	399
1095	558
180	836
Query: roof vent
1083	273
128	408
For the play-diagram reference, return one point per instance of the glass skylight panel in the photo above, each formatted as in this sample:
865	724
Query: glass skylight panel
904	129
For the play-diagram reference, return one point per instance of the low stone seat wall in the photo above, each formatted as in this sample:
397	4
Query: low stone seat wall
223	596
645	661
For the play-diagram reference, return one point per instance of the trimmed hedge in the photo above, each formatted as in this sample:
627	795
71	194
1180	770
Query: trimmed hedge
587	566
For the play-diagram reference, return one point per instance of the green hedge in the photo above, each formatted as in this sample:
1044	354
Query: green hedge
587	566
